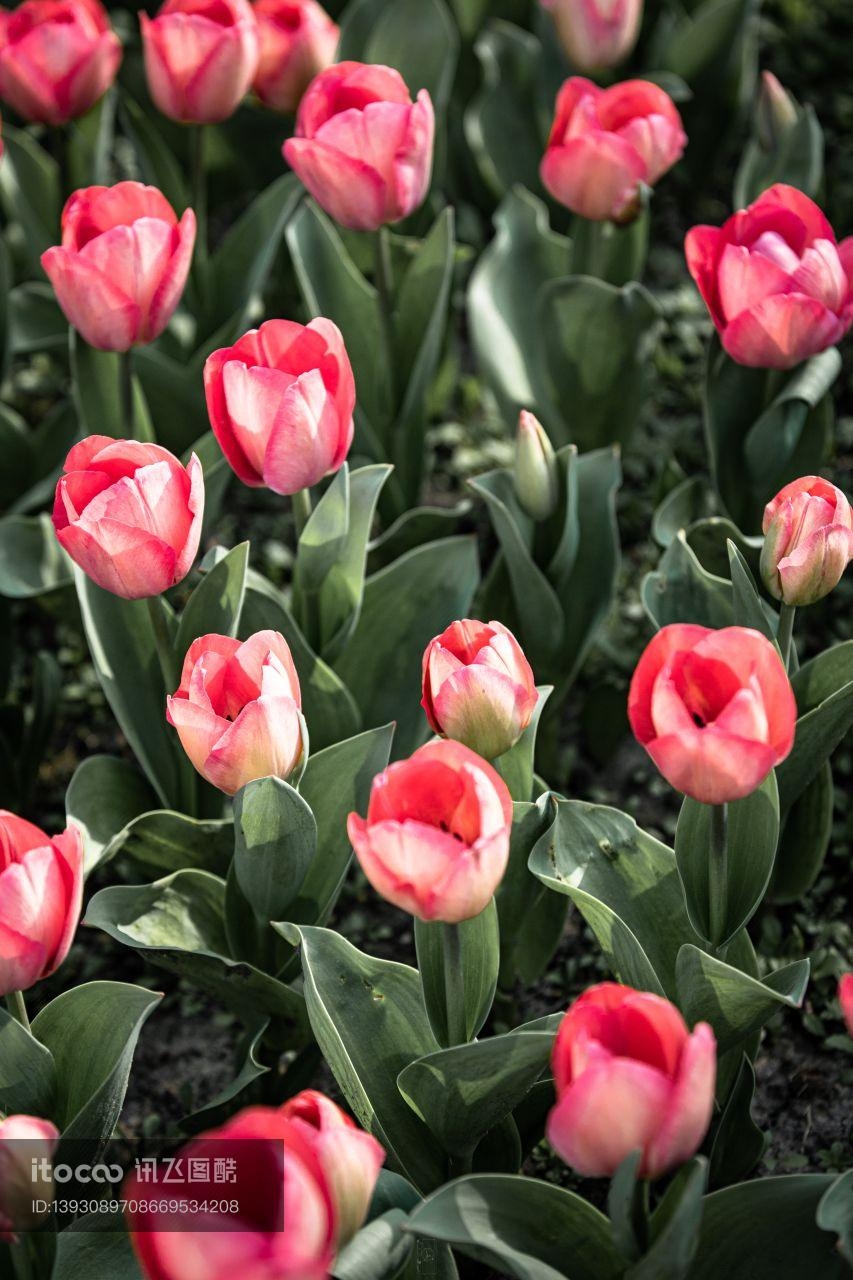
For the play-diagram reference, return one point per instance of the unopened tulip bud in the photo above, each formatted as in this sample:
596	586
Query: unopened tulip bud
26	1147
535	468
808	541
845	999
596	34
776	112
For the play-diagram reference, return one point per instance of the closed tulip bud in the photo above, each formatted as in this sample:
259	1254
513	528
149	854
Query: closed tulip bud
298	41
630	1076
200	58
808	541
351	1159
238	709
478	687
596	34
129	514
41	893
714	709
775	113
536	475
25	1141
845	999
435	841
121	268
281	402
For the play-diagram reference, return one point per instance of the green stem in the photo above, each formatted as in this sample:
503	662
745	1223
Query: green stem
787	613
306	602
454	984
302	508
163	643
199	186
589	248
718	874
125	390
16	1005
384	279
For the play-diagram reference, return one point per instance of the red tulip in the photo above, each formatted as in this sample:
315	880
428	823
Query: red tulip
200	57
606	144
23	1140
436	838
362	148
129	514
596	34
298	41
478	687
629	1076
281	402
845	999
350	1158
237	709
714	709
808	540
122	265
776	282
285	1225
57	58
41	892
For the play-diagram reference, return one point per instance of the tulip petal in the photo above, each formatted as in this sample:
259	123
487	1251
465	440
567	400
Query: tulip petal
347	188
92	304
612	1109
264	741
595	175
690	1105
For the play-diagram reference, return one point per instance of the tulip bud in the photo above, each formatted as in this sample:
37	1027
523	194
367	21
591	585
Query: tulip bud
596	34
200	57
25	1143
808	541
298	41
775	113
535	476
845	999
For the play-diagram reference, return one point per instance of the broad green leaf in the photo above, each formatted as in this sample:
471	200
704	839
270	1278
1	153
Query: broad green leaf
500	122
29	189
480	947
675	1227
163	841
35	320
747	606
532	919
104	796
835	1213
160	166
818	733
377	1252
683	506
806	833
221	1107
738	1143
31	560
96	378
734	1003
275	840
215	604
175	398
681	590
95	1248
516	765
417	37
27	1071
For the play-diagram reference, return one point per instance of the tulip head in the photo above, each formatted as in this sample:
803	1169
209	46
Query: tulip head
298	41
596	34
775	113
845	999
536	475
24	1142
808	541
200	58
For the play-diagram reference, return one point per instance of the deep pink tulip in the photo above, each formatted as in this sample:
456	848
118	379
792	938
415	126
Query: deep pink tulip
129	514
714	709
57	58
200	58
478	687
596	34
362	147
285	1229
808	540
606	144
776	282
41	892
298	41
351	1159
23	1139
845	999
436	838
281	402
629	1076
237	709
122	265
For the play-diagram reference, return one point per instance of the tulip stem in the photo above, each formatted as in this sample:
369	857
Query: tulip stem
163	643
16	1005
199	187
384	280
454	985
787	613
125	390
589	248
302	508
718	873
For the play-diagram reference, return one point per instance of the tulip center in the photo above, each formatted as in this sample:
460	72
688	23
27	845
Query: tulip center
705	686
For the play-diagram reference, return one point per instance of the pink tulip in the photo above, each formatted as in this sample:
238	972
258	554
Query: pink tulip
298	41
41	892
237	709
129	514
200	57
350	1158
845	999
436	838
776	282
23	1139
808	541
478	687
536	476
629	1076
122	265
606	144
284	1227
281	402
596	34
362	148
714	709
57	58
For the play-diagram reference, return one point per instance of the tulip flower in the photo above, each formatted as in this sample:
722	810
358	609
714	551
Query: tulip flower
57	58
362	147
536	476
129	514
298	41
350	1158
596	34
775	113
607	144
238	709
23	1140
808	541
845	999
478	687
281	402
436	838
122	265
41	893
629	1076
284	1227
778	285
714	709
200	58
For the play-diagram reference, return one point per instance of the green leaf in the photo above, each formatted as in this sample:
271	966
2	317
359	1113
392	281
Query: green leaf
835	1213
96	378
796	159
369	1020
738	1143
221	1107
27	1071
36	322
480	943
734	1003
104	796
681	590
29	189
818	733
675	1227
275	840
516	766
377	1252
162	841
688	502
804	841
31	560
532	919
95	1248
159	164
501	126
215	604
747	606
417	37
